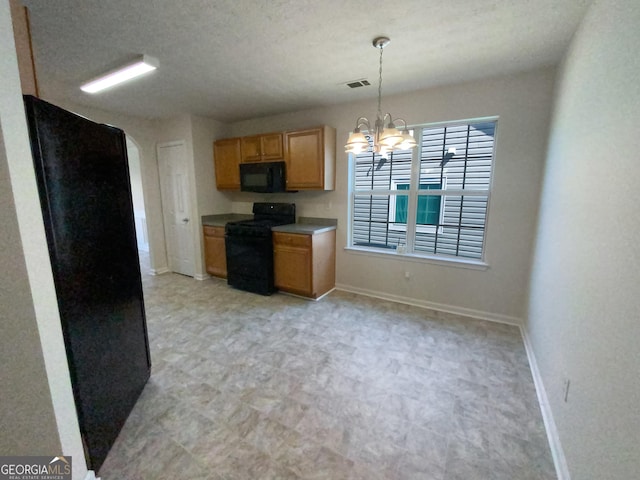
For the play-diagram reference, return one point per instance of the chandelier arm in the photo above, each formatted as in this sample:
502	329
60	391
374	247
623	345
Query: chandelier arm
404	122
363	122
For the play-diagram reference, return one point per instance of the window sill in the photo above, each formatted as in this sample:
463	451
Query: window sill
414	257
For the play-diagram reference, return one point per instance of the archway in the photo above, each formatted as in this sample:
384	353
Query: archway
139	211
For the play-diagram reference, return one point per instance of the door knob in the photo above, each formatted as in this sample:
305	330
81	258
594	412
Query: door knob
185	220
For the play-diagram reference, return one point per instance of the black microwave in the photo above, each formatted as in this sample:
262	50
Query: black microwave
262	177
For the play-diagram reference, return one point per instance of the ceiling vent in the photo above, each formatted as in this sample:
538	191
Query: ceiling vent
358	83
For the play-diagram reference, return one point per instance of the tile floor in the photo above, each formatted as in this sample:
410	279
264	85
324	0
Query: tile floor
249	387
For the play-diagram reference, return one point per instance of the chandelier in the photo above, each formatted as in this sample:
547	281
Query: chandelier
386	137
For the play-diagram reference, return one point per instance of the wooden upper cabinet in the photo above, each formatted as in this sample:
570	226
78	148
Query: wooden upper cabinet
310	156
227	156
262	148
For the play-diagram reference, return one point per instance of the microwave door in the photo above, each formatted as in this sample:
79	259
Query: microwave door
253	181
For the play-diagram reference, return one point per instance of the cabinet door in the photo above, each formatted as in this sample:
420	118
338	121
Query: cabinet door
272	147
260	148
226	155
292	269
251	149
214	251
305	159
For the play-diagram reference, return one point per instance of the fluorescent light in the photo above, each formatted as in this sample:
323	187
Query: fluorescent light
132	70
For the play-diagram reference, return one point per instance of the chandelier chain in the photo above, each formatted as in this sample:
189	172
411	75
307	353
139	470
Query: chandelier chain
380	85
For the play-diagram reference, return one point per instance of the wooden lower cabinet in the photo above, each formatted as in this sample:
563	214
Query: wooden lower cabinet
305	264
215	254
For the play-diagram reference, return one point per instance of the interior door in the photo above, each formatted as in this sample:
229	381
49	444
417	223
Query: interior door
176	195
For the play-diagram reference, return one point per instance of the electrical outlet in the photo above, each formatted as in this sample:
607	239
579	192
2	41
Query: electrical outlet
407	275
567	384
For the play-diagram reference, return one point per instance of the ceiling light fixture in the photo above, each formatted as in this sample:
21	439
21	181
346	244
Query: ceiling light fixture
142	65
386	137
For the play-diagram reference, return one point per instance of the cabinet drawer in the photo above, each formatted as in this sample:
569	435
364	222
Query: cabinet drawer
292	239
213	231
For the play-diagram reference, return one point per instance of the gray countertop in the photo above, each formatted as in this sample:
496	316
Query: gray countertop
304	225
308	226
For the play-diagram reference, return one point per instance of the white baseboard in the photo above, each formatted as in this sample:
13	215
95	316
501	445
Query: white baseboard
201	276
441	307
91	475
307	298
559	460
159	271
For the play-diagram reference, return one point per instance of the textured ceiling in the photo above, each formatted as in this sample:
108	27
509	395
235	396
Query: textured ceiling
239	59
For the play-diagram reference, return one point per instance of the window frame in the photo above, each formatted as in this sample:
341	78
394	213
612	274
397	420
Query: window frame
411	227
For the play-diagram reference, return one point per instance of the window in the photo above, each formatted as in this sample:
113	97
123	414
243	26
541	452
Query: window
433	199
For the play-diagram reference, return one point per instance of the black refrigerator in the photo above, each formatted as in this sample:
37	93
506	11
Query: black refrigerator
85	194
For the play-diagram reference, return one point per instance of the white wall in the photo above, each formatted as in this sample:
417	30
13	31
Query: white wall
584	310
208	199
135	174
26	410
205	131
523	103
36	259
137	195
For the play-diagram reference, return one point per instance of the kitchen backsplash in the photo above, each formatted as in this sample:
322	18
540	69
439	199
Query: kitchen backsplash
308	204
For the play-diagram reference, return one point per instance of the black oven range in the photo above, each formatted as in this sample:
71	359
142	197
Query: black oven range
249	247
